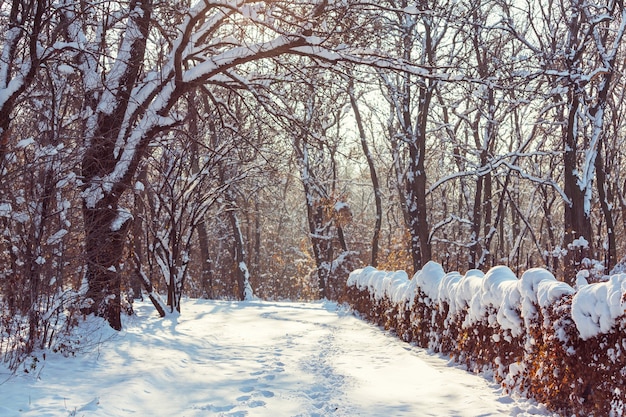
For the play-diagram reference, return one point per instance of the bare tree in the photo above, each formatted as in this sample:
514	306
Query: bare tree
22	55
38	229
133	101
581	72
418	33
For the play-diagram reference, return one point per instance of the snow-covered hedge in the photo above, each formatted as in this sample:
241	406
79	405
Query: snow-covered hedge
565	347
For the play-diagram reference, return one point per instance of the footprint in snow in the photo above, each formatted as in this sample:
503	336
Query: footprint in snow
256	403
251	398
267	394
245	400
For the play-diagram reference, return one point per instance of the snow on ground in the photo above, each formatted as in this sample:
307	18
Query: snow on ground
250	359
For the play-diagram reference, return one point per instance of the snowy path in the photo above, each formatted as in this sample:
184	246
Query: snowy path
252	359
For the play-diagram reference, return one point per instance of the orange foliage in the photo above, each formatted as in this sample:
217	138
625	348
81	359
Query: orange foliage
398	255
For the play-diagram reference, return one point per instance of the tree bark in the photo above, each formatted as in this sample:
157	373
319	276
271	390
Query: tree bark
416	183
206	274
321	241
577	222
138	239
104	248
241	269
373	173
105	230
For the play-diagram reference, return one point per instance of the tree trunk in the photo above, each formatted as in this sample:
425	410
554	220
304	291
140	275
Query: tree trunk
487	215
206	274
417	211
476	221
416	182
415	135
104	246
256	258
606	204
373	174
577	222
241	269
321	243
138	238
106	225
147	284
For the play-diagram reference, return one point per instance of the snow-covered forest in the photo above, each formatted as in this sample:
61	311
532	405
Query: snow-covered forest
227	149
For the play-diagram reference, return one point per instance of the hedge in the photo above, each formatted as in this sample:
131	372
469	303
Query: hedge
563	347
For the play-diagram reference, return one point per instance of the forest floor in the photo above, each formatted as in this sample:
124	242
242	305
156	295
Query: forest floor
249	359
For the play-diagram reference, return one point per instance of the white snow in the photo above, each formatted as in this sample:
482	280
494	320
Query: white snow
249	358
581	278
24	143
65	69
5	209
93	194
511	302
123	216
581	242
248	293
56	238
536	281
428	279
341	205
596	307
412	10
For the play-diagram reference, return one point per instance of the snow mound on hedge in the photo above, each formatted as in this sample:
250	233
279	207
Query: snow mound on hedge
506	301
596	307
396	286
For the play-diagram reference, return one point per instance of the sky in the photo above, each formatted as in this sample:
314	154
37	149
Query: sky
251	358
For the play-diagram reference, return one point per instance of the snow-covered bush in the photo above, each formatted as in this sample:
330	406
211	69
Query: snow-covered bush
539	336
56	314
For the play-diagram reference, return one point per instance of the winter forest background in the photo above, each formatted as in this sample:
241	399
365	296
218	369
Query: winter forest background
235	147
